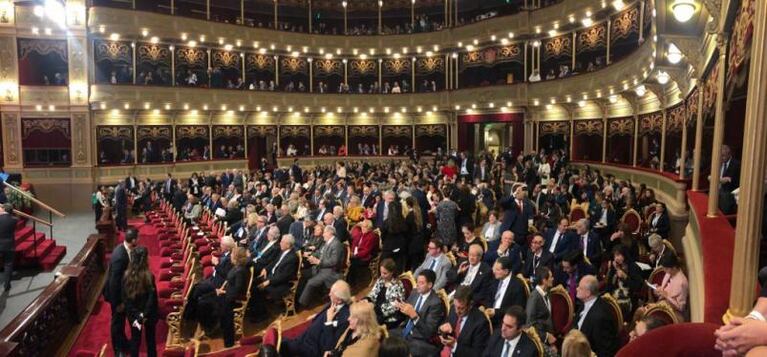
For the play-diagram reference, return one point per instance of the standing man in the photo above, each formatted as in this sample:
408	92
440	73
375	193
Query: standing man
7	243
121	206
113	290
518	214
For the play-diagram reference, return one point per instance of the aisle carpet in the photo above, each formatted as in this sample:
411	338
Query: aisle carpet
95	333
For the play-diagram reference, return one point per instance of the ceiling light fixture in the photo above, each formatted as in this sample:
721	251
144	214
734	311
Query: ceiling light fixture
641	90
683	10
674	55
663	77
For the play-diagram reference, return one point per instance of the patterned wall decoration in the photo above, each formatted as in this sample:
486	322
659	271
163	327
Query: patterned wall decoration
592	38
620	126
740	39
557	47
327	67
227	131
489	56
709	87
260	131
225	59
153	54
555	127
363	131
121	132
363	67
430	130
692	105
589	127
675	118
45	125
191	131
288	131
293	65
154	132
113	51
329	130
651	123
396	66
624	24
11	146
191	56
81	138
42	47
258	62
397	131
426	65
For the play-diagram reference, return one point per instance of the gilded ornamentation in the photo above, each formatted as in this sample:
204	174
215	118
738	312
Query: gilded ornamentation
430	65
301	131
363	67
330	130
42	47
227	131
77	61
492	55
328	67
625	24
651	123
45	125
293	65
561	46
589	127
430	130
7	59
153	54
121	132
80	142
113	51
740	39
396	65
592	38
675	118
259	62
363	131
692	105
261	131
555	127
191	132
621	126
397	131
226	59
192	56
709	87
154	132
11	140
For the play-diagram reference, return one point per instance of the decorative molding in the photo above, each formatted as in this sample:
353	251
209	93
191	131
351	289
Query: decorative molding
589	127
11	139
80	139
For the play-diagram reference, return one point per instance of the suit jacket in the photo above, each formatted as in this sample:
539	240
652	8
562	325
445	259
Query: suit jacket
662	227
593	247
514	295
546	260
440	268
368	201
121	198
514	220
331	258
566	243
430	316
342	230
221	270
515	252
267	256
236	283
320	337
118	263
179	198
525	347
297	230
732	171
280	275
611	219
474	333
7	233
538	313
481	282
600	328
284	224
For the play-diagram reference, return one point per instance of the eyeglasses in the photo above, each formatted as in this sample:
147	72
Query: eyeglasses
430	247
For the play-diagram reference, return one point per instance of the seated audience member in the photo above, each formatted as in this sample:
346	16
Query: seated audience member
268	252
595	319
658	250
325	269
437	262
386	291
506	291
510	339
302	229
505	247
394	346
192	208
473	272
364	243
362	337
749	333
559	240
624	280
644	325
538	307
536	257
491	231
570	271
461	248
326	327
424	311
201	291
588	242
466	330
674	289
624	237
314	243
274	280
231	292
659	222
576	345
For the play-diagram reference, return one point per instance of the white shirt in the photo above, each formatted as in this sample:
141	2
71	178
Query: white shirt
603	219
128	250
470	274
545	296
501	292
585	240
554	241
586	307
280	260
509	346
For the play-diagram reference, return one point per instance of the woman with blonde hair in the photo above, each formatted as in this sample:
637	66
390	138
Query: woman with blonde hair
576	345
363	336
354	210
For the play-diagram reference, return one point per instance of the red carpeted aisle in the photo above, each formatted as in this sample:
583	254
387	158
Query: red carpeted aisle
95	333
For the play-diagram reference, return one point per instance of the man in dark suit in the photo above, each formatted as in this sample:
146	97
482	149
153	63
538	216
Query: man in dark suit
326	269
588	242
382	209
113	293
517	213
538	307
507	291
302	230
570	271
536	257
424	311
465	166
179	198
560	240
274	280
121	206
7	243
594	318
510	340
286	219
169	187
268	252
337	220
473	272
729	180
466	330
326	327
505	247
295	171
368	199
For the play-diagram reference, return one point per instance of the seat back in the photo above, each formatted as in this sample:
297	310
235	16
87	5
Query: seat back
522	280
533	335
656	277
562	310
408	282
451	257
175	318
633	220
347	262
615	309
445	300
289	300
577	212
487	317
273	335
239	311
662	311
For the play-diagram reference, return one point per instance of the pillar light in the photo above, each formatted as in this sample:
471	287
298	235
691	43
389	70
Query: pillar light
343	3
144	32
674	55
683	10
587	21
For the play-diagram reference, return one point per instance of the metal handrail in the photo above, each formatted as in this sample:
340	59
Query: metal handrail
35	200
38	220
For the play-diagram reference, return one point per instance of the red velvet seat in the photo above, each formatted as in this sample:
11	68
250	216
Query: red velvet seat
408	282
633	220
562	310
689	340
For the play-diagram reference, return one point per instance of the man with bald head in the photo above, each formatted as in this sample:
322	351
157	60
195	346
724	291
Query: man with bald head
588	242
473	272
594	317
327	325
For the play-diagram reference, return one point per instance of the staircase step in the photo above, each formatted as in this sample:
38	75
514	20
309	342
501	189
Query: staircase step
20	224
28	244
50	261
23	233
43	248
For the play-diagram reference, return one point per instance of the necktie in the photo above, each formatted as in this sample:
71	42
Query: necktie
499	293
519	204
506	349
458	327
411	323
433	264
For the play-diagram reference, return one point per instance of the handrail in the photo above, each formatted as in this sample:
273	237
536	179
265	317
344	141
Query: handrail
35	200
38	220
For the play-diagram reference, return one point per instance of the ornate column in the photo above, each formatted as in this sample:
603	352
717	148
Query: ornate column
716	151
683	149
635	108
696	155
748	231
664	123
9	99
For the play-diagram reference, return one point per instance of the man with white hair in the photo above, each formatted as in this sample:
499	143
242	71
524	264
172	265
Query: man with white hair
221	267
326	328
588	242
595	319
326	269
382	208
273	282
266	254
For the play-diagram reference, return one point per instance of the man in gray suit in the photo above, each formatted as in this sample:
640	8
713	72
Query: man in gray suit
425	311
539	306
437	262
325	269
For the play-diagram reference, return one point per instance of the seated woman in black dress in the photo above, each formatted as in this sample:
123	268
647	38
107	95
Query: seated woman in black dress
385	293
